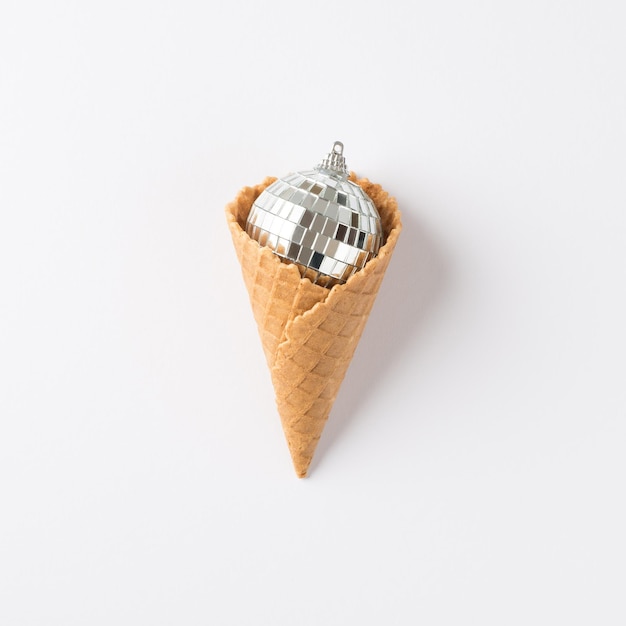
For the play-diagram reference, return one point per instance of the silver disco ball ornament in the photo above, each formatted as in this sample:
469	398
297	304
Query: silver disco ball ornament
319	220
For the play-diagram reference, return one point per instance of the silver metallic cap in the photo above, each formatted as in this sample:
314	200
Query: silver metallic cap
334	160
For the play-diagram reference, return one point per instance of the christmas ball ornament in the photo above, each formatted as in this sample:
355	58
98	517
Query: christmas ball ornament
319	220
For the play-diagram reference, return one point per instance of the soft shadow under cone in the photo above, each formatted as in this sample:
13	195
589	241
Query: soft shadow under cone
309	333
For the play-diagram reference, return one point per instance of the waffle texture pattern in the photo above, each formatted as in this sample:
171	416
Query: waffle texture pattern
309	333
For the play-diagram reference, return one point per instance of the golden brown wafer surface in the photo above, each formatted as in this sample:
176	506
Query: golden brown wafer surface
309	333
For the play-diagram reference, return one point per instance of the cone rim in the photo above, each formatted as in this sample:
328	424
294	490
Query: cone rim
387	248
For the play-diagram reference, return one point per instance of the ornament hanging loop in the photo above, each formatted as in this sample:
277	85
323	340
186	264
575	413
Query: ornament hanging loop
335	162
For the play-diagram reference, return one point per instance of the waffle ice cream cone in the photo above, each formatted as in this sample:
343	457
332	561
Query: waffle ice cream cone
309	333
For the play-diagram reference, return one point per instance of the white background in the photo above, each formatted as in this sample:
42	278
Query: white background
473	468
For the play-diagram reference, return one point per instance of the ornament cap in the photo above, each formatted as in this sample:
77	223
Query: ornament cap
335	161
